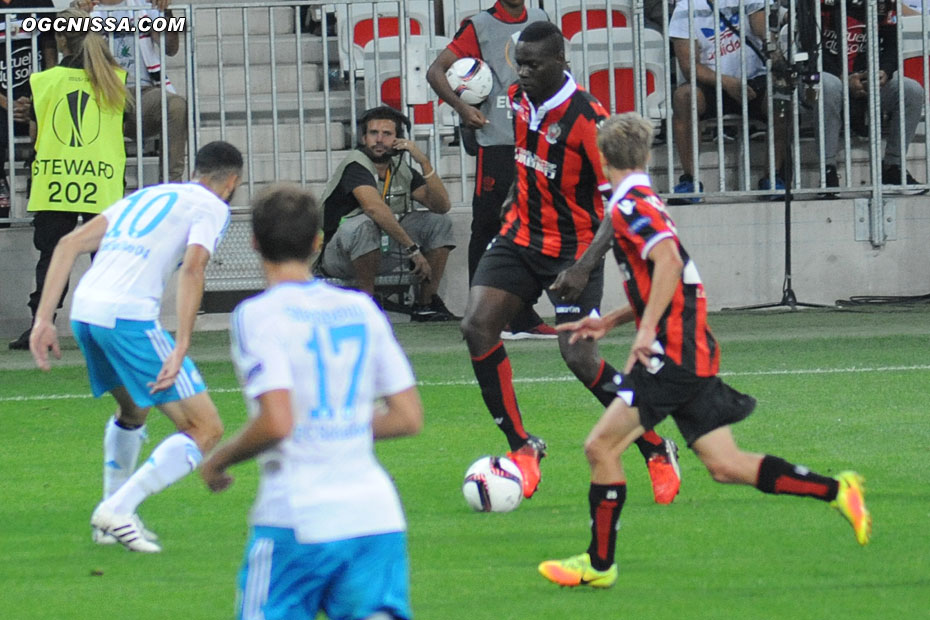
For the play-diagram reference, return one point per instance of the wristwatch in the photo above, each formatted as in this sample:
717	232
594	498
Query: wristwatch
411	250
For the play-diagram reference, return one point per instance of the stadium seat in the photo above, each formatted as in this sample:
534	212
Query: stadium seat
573	16
915	49
383	80
591	64
359	23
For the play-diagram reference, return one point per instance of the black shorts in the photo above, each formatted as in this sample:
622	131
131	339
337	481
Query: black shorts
757	108
697	404
526	273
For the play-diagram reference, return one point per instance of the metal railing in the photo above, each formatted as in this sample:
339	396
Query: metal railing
290	100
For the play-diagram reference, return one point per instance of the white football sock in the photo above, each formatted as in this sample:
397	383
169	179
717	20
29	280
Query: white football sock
171	460
121	448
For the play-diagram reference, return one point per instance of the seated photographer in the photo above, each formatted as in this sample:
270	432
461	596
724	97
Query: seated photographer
699	47
369	225
894	171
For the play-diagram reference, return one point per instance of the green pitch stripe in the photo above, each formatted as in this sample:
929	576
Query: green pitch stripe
564	378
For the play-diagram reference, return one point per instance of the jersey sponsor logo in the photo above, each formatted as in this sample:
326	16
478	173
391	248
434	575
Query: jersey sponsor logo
529	159
21	64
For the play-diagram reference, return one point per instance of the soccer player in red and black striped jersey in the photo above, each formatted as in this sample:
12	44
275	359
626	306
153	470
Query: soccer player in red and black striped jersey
555	211
671	369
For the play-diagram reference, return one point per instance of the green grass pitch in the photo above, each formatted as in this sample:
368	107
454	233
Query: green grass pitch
836	390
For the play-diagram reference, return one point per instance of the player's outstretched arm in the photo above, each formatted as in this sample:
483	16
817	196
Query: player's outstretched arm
190	292
569	284
273	423
595	327
82	240
404	415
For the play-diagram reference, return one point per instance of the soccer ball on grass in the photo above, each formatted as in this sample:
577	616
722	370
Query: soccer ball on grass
493	484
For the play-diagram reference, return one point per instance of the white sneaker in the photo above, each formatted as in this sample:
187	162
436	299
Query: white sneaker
126	529
100	537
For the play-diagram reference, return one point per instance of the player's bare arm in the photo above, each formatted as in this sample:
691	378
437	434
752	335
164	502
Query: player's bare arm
569	284
404	415
666	275
433	195
273	423
380	213
436	76
596	327
82	240
190	292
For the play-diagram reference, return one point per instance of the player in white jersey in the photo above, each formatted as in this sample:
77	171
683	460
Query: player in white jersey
327	526
140	242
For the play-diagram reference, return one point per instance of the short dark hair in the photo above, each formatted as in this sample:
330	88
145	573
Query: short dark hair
544	31
217	159
384	113
285	222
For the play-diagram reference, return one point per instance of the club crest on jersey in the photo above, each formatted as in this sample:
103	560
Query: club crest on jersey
553	133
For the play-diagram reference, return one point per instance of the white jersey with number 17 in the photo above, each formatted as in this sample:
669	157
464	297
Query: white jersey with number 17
147	235
334	351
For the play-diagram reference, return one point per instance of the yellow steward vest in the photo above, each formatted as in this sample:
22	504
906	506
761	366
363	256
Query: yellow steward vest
80	156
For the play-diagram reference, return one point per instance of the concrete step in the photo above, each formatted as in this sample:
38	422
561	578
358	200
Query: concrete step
288	136
260	80
236	20
234	106
232	50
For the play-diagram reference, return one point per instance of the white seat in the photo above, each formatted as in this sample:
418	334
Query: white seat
381	62
573	16
357	26
591	64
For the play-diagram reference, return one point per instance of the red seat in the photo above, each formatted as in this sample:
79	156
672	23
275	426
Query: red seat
390	96
597	18
914	69
599	85
364	30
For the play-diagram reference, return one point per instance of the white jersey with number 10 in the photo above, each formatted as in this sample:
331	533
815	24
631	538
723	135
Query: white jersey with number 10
147	235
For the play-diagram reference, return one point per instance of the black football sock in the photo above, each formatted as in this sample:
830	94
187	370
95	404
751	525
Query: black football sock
495	377
779	476
605	502
650	442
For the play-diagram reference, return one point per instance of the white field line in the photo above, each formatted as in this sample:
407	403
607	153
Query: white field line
561	379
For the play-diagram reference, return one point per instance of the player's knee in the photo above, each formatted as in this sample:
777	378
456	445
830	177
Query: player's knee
596	450
471	328
580	360
131	416
207	428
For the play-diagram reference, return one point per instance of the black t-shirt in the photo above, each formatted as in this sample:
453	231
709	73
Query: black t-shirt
21	45
343	201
